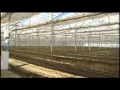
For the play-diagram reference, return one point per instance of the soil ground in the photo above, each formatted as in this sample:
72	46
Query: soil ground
102	63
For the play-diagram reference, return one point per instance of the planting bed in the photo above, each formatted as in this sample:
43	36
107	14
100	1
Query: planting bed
103	62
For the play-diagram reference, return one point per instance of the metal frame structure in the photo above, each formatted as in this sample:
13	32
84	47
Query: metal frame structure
83	29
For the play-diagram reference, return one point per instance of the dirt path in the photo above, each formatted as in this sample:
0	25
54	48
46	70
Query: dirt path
8	74
41	70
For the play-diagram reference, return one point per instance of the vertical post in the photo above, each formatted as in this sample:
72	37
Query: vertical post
69	44
32	43
16	39
29	29
105	41
75	38
99	40
52	37
89	40
65	43
110	43
40	39
19	40
75	43
5	52
37	37
65	40
83	43
26	38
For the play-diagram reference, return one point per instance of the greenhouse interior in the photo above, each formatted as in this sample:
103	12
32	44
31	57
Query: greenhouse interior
59	44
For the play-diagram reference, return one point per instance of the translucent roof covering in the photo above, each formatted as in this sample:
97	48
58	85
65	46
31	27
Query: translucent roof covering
83	22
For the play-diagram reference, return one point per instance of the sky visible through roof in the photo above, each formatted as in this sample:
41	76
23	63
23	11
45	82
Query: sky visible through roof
44	17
